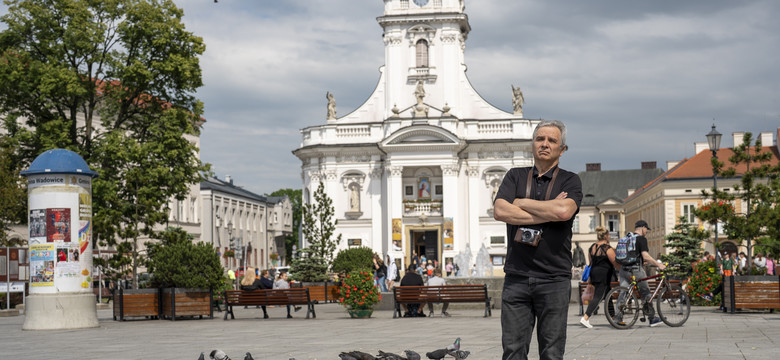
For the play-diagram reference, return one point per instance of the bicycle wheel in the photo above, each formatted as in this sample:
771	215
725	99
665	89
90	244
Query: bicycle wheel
674	305
622	315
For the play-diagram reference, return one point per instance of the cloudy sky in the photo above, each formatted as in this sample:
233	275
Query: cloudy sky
634	80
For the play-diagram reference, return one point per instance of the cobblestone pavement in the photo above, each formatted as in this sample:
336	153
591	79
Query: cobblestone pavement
708	334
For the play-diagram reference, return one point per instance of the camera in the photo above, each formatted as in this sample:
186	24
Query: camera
528	236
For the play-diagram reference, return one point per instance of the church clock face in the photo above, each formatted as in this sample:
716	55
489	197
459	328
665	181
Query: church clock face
420	2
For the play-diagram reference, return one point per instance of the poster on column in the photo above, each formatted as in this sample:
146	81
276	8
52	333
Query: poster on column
58	224
397	229
448	236
37	226
42	259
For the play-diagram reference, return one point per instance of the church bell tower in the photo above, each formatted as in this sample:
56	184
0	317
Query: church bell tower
424	44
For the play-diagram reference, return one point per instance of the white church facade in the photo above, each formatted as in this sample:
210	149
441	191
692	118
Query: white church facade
415	168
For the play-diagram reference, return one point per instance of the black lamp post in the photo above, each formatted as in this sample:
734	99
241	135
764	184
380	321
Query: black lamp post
713	139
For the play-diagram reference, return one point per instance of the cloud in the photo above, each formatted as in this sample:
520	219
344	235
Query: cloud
634	80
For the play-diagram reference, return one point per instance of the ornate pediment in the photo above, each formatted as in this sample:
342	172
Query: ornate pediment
422	135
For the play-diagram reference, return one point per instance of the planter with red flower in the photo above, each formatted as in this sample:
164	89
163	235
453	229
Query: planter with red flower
358	293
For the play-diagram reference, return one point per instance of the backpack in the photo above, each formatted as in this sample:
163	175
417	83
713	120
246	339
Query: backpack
626	253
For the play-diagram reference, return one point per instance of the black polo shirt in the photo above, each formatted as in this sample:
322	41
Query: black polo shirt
552	258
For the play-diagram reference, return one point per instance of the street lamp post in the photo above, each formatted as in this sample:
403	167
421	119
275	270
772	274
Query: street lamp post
713	140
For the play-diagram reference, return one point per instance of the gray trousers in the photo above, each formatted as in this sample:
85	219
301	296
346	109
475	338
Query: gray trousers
624	276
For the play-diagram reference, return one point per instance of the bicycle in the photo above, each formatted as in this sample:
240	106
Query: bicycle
672	303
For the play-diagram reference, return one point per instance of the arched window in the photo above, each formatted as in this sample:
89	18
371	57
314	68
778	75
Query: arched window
422	54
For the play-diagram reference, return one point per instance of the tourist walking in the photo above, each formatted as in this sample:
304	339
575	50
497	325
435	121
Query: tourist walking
602	267
380	273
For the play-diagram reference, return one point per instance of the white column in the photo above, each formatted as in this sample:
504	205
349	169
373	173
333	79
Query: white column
378	237
475	199
451	204
394	202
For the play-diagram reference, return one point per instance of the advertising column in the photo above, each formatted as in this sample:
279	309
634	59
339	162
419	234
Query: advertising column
59	190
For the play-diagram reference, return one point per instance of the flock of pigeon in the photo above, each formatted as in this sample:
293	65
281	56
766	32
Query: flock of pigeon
452	350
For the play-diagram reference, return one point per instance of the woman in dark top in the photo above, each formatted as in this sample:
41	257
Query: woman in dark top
602	267
250	282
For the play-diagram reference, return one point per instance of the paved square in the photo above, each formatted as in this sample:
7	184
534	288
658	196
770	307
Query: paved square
708	334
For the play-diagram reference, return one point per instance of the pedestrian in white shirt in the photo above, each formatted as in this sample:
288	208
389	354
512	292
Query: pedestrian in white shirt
437	280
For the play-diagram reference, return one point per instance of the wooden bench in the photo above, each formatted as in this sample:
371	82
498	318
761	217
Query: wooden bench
103	292
265	297
440	294
323	293
751	292
653	284
140	302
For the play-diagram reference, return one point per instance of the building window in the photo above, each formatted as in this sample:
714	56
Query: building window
592	224
687	213
613	222
409	190
404	4
497	260
575	228
354	242
438	190
422	54
497	240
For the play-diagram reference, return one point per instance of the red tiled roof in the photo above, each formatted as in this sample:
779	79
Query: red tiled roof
700	166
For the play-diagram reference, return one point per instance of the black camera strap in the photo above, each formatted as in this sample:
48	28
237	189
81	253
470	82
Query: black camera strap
531	178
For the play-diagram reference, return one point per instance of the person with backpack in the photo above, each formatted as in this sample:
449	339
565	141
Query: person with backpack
602	266
632	254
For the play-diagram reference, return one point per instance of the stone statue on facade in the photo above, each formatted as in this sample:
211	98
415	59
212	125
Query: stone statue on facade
331	105
420	110
354	198
517	100
419	92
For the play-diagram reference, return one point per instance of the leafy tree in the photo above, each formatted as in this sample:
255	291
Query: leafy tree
685	246
318	225
13	197
759	191
113	81
295	196
176	261
349	260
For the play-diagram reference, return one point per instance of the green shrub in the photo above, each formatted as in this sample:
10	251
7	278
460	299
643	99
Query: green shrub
353	259
178	262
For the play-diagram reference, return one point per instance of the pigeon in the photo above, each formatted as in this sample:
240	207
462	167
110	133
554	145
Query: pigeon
411	355
437	354
218	355
248	356
461	354
455	345
389	356
359	355
201	357
347	356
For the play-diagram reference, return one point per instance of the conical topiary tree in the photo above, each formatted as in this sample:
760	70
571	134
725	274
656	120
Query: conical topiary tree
318	227
685	248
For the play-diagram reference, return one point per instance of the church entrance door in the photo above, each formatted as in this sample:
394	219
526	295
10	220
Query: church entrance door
425	242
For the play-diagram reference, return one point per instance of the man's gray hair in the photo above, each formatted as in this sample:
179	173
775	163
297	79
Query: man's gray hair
556	123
